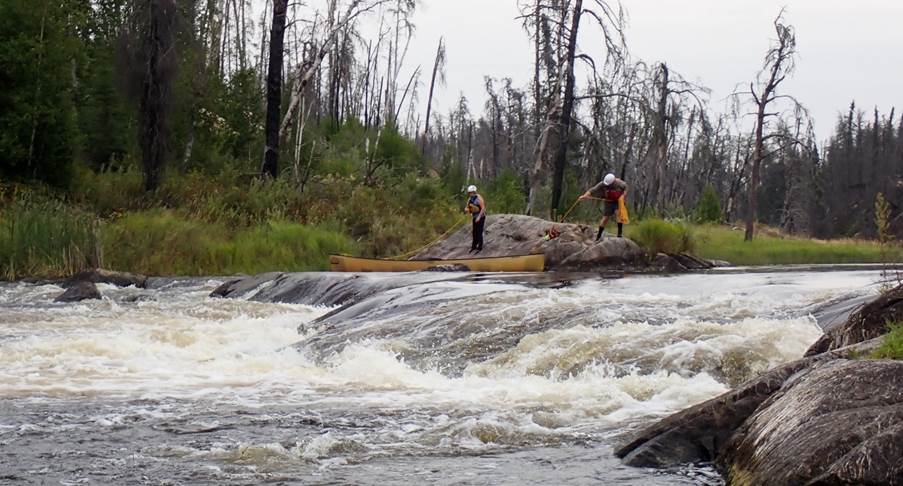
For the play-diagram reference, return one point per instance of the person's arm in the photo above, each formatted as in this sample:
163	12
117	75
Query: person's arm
592	190
623	186
482	208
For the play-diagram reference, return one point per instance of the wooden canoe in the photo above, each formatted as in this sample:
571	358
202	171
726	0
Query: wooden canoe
522	263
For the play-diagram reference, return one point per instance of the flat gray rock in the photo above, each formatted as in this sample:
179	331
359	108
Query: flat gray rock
575	249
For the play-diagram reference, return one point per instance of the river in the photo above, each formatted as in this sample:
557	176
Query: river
444	380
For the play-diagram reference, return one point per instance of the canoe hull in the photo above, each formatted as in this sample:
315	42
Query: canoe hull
524	263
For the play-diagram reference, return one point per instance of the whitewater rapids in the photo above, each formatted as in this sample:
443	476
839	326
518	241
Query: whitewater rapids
461	381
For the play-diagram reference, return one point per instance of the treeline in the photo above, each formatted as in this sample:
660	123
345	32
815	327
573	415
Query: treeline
314	94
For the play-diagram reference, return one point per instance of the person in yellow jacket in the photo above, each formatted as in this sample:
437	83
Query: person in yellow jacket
612	192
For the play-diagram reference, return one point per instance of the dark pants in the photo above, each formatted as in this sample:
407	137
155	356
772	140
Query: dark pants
478	234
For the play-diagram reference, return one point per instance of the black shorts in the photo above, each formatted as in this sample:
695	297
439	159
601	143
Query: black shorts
609	208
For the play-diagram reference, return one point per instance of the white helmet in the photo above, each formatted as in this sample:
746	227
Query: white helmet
609	179
471	188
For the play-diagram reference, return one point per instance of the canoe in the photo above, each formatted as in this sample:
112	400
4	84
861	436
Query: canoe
521	263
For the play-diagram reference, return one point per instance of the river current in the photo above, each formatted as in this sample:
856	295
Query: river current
445	380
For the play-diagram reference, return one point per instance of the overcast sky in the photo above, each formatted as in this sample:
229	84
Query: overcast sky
848	50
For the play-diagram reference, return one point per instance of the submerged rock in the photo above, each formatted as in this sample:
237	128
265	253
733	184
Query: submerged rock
841	422
866	323
78	292
575	248
458	267
99	275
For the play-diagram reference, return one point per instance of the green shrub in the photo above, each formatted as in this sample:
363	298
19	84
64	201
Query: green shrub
708	210
45	238
505	195
108	192
892	347
660	236
160	242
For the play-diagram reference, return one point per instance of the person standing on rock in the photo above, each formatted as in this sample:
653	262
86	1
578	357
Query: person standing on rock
476	206
611	191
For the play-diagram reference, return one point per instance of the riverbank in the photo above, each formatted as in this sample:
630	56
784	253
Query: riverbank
831	417
202	226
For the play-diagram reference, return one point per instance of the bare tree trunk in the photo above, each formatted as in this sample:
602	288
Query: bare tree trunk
567	112
37	88
440	59
537	60
780	59
274	90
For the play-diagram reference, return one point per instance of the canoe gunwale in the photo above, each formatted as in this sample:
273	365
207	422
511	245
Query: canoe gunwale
515	263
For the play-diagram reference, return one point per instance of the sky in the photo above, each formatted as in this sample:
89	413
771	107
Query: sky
848	50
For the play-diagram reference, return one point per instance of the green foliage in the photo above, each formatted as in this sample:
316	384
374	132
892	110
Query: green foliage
660	236
892	347
37	119
160	242
724	243
708	210
44	237
108	191
505	195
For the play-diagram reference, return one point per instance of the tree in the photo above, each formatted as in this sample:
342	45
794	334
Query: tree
438	72
37	128
270	165
152	62
780	61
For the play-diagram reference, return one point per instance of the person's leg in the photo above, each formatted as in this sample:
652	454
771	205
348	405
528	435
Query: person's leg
602	227
620	230
473	240
479	237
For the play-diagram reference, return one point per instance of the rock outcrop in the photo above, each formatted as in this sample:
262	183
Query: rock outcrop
329	289
829	418
79	291
841	422
699	433
866	323
99	275
575	248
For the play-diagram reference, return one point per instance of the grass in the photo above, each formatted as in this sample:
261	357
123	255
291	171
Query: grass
769	248
161	242
45	238
892	347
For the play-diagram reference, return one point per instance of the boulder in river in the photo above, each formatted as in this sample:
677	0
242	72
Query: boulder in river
78	292
99	275
700	433
841	422
866	323
575	248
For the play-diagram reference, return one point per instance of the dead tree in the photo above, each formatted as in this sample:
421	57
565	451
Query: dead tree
438	72
149	47
779	63
270	165
309	69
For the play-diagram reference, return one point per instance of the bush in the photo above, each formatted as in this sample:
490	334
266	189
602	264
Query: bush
505	195
660	236
160	242
45	238
892	347
708	210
